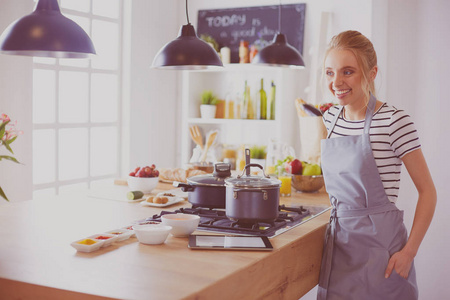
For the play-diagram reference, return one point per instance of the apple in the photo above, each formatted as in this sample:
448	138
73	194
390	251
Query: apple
294	167
311	169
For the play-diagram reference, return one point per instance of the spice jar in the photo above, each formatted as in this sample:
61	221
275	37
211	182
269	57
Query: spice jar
244	55
253	52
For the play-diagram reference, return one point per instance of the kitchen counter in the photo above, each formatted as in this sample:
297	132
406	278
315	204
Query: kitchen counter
37	261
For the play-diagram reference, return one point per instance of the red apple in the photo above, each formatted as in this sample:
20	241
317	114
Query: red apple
294	167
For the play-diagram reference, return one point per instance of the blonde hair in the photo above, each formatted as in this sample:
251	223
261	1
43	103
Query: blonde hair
364	52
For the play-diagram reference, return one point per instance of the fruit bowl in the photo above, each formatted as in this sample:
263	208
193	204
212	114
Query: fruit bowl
307	184
143	184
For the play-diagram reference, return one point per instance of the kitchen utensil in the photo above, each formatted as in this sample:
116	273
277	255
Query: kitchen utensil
251	199
207	190
182	224
196	135
210	140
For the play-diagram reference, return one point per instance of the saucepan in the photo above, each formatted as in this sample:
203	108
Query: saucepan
250	199
208	190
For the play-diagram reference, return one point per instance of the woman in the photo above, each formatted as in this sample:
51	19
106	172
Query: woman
367	253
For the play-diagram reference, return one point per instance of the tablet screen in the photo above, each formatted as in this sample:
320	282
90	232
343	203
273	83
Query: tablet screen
229	242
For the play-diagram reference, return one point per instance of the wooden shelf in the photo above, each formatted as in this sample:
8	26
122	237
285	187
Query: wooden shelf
228	121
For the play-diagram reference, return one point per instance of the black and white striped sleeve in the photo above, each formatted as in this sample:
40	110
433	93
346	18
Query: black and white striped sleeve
403	135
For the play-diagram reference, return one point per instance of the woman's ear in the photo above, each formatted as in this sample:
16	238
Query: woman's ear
373	73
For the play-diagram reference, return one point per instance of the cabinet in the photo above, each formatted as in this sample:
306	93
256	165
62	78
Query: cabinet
230	80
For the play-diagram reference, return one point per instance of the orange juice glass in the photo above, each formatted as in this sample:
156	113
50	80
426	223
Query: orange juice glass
285	189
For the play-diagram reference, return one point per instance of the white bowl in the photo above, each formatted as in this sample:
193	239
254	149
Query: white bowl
182	224
122	234
152	234
143	184
82	247
107	237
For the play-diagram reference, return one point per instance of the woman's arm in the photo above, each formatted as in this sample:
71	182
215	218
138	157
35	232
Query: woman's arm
418	170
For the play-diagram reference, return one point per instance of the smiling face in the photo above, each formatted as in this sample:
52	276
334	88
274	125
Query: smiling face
345	78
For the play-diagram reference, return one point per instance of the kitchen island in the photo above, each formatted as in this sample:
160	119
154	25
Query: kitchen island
37	261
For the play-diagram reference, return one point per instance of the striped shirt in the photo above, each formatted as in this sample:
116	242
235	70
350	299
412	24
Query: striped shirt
392	135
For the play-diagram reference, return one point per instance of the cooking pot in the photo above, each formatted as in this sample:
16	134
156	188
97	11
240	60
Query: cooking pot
251	199
207	190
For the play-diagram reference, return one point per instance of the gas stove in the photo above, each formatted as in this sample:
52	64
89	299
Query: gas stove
215	220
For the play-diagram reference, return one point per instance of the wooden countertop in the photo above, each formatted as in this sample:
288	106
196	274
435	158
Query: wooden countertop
37	261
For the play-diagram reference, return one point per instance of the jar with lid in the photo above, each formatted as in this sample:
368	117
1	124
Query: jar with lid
244	55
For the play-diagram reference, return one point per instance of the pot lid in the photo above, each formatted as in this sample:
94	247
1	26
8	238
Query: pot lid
253	182
207	179
222	171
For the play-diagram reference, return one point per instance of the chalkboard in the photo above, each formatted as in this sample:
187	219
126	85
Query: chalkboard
257	25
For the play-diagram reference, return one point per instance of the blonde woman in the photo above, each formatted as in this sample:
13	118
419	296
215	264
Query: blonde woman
367	251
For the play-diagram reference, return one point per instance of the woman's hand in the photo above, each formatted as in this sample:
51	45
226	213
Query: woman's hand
401	261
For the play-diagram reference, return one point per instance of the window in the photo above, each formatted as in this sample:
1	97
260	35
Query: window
76	105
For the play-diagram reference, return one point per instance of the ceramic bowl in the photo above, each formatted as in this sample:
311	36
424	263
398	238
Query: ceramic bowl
307	184
143	184
182	224
152	234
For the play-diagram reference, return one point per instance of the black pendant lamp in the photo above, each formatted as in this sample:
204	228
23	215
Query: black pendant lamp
280	53
187	52
46	33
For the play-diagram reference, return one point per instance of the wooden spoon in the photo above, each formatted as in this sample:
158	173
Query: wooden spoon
196	135
209	142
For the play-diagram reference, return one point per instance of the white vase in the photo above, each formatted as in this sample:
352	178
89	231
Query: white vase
208	111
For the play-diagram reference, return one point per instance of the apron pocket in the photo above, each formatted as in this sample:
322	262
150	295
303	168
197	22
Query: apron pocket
395	287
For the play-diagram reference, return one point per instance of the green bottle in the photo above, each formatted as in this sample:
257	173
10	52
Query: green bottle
272	102
262	102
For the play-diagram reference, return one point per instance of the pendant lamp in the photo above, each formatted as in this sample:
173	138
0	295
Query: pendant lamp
187	52
280	53
46	33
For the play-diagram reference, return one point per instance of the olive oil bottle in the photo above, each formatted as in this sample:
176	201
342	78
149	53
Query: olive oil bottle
272	101
262	102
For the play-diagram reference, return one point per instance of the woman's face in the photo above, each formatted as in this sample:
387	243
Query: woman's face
344	77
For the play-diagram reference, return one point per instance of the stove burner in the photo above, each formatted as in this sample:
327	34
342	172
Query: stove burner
215	219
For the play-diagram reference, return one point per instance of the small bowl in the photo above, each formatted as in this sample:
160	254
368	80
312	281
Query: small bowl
152	234
122	234
106	237
143	184
87	245
307	184
182	224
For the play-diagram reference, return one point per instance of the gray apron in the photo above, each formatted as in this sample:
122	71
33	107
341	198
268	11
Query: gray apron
365	228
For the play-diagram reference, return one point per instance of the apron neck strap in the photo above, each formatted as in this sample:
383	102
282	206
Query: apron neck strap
369	113
368	119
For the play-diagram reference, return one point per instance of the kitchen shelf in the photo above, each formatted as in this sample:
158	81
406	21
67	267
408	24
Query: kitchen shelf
229	121
229	81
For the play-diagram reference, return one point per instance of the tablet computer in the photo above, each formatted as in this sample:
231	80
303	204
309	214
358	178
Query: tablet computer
229	242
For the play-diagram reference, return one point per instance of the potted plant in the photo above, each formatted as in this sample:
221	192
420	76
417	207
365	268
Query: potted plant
258	155
208	106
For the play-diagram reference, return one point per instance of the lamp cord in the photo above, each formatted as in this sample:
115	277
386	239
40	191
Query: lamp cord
279	17
187	14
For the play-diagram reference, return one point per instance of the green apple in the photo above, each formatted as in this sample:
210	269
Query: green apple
311	169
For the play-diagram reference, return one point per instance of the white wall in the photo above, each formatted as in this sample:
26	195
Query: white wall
418	82
16	101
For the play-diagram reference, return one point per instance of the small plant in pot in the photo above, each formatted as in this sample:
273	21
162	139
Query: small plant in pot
208	106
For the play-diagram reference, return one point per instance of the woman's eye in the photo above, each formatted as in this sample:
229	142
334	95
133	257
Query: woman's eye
348	72
329	73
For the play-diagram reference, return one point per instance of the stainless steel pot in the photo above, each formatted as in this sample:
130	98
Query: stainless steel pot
208	190
252	198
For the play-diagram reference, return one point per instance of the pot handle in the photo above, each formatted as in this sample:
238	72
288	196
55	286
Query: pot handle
252	165
265	195
184	187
